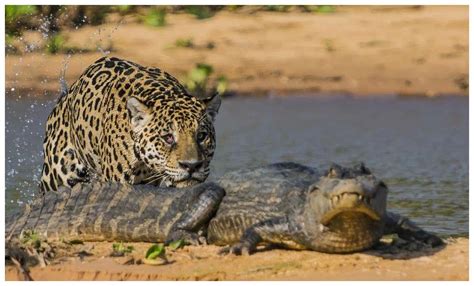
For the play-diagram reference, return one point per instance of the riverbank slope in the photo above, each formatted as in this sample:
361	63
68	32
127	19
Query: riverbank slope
358	50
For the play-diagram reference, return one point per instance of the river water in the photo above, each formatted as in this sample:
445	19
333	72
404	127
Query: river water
419	146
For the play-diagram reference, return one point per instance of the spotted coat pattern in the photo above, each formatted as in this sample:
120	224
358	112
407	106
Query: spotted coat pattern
124	122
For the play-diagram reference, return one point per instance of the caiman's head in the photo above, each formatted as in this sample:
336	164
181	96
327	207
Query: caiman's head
346	208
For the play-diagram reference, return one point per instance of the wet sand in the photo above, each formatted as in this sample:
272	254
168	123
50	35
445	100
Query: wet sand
357	50
204	263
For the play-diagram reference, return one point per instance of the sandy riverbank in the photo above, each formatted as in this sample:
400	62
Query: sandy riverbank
204	263
358	50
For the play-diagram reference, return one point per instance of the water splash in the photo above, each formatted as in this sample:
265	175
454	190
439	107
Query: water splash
63	89
99	43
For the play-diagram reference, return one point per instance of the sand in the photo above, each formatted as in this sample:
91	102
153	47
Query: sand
357	50
204	263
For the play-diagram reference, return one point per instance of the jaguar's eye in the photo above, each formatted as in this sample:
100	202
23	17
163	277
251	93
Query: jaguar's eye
201	136
168	138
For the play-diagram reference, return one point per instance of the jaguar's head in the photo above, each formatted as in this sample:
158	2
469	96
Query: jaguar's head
175	137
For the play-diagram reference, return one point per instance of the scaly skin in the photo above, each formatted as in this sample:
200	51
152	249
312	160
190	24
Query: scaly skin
116	212
344	211
287	204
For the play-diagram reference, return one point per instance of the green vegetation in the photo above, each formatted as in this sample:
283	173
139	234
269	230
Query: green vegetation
31	238
222	85
277	8
125	9
176	244
198	81
55	44
15	18
155	251
184	43
53	19
198	78
200	11
323	9
120	249
156	17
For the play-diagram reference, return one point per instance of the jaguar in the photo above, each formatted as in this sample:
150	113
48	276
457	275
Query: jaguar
123	122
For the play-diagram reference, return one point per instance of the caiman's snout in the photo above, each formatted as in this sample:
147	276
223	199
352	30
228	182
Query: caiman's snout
350	197
350	200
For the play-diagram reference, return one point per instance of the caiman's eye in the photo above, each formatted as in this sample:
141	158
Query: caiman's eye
168	138
201	136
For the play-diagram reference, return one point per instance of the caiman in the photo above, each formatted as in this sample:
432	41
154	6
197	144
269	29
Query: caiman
286	204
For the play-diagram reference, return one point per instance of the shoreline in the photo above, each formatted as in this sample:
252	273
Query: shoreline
203	263
368	51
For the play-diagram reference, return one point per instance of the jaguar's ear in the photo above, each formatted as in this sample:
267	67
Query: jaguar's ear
138	112
213	103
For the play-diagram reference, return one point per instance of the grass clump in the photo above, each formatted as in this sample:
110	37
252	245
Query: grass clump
277	8
55	44
198	82
200	11
16	18
156	17
120	249
198	78
184	43
323	9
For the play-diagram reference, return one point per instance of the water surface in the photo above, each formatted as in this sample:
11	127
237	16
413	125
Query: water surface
418	145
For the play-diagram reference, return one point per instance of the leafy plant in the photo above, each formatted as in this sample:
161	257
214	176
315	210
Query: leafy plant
31	238
119	249
55	44
321	9
155	251
198	78
222	85
176	244
200	11
277	8
13	12
184	43
14	16
125	9
156	17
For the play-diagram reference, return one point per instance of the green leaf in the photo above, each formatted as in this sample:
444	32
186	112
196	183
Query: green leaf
222	85
176	244
12	12
156	17
120	247
155	251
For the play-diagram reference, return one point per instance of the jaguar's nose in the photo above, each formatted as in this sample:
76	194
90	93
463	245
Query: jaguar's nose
190	166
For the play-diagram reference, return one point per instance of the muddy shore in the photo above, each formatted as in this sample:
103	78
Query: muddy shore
356	50
204	263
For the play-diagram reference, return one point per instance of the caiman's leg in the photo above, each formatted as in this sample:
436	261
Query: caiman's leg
198	216
274	231
406	229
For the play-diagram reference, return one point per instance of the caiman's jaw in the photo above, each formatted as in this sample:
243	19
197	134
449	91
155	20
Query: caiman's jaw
346	207
350	202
